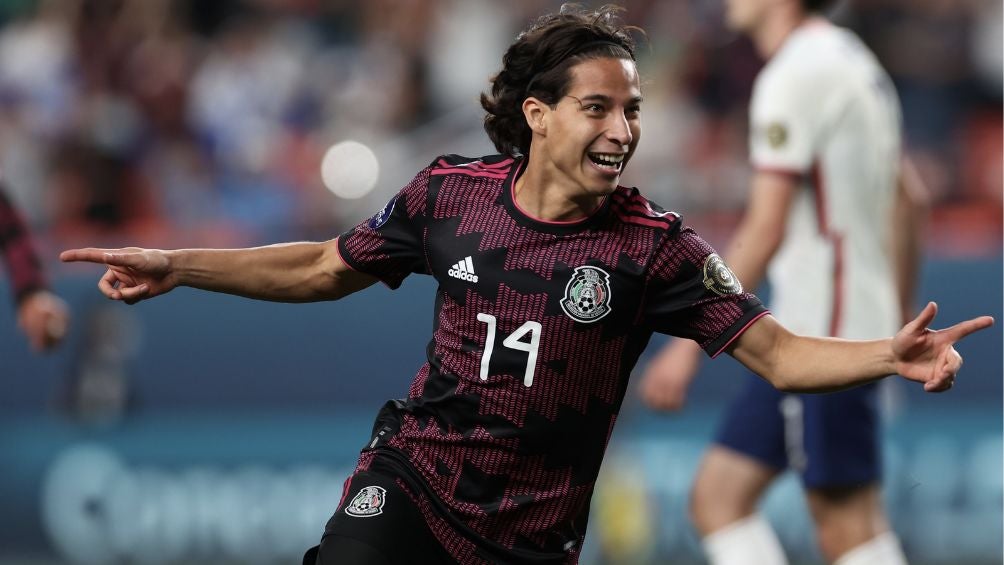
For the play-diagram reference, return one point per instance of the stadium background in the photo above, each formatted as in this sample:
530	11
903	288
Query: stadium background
204	428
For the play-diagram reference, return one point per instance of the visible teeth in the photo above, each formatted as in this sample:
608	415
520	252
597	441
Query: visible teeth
612	158
608	159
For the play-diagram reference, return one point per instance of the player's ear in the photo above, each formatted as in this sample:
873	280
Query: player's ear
536	113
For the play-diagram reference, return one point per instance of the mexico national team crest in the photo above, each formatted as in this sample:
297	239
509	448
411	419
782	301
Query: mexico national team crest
587	295
369	502
719	278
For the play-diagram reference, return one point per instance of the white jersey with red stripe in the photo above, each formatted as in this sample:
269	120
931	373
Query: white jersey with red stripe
824	109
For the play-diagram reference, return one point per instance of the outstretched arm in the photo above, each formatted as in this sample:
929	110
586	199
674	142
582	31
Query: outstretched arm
288	272
808	364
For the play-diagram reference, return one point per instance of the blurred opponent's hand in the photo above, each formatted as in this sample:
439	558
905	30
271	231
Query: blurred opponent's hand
44	319
133	274
666	378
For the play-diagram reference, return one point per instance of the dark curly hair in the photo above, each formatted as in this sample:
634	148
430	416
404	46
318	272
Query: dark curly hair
537	64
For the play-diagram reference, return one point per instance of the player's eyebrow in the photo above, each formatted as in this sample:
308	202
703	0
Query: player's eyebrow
604	99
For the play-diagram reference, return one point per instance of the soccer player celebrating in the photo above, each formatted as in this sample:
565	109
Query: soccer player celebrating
835	217
552	277
42	316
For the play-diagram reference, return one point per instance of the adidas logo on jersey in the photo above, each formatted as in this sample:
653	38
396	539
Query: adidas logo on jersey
463	270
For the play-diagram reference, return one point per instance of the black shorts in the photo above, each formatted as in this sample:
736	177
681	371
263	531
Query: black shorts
377	523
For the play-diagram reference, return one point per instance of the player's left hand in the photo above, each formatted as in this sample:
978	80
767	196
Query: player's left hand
44	318
927	356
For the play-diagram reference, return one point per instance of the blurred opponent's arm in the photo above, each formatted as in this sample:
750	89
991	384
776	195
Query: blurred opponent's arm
909	217
41	315
760	234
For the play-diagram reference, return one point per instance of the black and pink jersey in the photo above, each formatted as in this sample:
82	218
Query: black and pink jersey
537	326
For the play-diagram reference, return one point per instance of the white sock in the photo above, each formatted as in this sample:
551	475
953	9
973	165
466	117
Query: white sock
750	541
882	549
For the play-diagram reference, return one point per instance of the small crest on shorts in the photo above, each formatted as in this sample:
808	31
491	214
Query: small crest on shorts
719	278
777	134
587	295
381	217
367	503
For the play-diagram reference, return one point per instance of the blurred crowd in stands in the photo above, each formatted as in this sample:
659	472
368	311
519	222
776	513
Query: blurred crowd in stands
193	123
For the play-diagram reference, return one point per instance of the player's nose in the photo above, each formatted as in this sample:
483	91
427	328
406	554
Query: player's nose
619	130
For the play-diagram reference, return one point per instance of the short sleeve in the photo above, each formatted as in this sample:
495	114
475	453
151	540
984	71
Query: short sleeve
783	120
691	293
389	245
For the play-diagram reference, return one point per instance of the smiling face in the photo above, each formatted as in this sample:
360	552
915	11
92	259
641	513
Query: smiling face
586	139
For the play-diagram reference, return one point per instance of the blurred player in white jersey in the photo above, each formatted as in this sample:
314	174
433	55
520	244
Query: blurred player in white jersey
833	220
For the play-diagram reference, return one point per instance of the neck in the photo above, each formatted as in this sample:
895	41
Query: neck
540	193
776	27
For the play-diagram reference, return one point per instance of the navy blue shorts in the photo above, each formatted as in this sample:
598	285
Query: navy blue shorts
831	440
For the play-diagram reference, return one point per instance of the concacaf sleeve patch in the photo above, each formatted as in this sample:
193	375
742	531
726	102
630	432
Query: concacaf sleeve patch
719	278
777	135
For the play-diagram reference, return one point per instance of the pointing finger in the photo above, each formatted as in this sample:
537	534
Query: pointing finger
89	254
962	329
119	259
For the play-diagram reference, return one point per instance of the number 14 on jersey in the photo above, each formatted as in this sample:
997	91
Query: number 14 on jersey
513	341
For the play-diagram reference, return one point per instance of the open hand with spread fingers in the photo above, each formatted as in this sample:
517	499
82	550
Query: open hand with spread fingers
928	356
133	274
